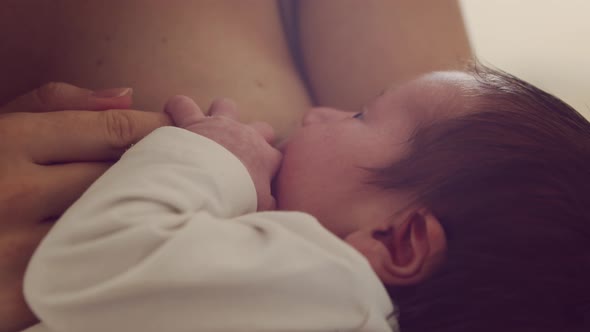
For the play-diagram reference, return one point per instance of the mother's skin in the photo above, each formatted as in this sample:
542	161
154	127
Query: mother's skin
202	49
349	51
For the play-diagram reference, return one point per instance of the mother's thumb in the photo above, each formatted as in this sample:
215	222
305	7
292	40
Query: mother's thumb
57	96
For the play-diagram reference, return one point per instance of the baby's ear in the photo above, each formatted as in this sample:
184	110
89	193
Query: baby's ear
405	251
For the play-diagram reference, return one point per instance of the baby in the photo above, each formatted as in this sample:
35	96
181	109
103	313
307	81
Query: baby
461	196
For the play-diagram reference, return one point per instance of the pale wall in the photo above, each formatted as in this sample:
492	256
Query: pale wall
546	42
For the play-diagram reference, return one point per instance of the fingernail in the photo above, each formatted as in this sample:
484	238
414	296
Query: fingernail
112	93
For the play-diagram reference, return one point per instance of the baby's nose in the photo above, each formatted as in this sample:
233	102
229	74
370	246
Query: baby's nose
322	114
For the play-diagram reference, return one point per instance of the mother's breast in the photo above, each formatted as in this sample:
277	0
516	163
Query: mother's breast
203	49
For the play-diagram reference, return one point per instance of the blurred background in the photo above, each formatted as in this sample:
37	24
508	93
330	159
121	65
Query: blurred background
546	42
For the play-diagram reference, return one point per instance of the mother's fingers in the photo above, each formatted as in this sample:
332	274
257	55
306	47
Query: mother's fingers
34	193
68	136
17	245
62	96
61	185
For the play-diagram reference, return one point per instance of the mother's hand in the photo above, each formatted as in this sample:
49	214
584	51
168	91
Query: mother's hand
50	152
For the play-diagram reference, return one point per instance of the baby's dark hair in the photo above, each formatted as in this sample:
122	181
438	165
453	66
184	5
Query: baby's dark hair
510	184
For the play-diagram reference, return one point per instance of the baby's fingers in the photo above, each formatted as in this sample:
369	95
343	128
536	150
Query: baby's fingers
265	130
267	204
183	111
224	107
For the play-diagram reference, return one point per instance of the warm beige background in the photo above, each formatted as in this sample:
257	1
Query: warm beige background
546	42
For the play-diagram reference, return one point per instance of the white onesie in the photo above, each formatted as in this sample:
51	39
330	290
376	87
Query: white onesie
169	240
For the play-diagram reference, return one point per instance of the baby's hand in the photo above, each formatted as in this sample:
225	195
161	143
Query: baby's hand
250	143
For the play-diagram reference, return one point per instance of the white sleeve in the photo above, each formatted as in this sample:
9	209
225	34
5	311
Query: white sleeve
168	240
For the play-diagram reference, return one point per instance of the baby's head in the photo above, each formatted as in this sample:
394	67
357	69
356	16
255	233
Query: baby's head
466	192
